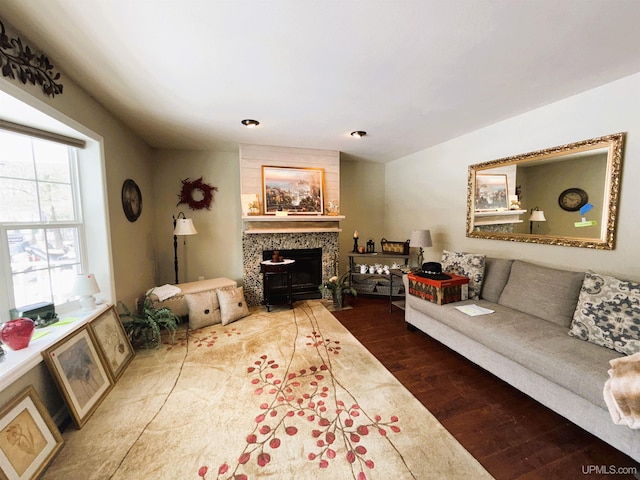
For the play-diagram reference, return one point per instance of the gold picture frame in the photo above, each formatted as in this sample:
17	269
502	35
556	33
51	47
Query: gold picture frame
113	342
78	369
297	191
577	162
29	438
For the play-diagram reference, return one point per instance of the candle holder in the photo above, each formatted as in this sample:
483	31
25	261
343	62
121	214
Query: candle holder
371	246
355	244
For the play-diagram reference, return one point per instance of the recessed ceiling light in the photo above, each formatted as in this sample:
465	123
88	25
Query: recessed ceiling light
358	134
250	123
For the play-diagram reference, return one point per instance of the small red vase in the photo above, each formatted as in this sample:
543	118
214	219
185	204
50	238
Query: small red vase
16	334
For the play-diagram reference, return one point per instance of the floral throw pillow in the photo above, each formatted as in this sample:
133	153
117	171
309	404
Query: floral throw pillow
468	265
608	313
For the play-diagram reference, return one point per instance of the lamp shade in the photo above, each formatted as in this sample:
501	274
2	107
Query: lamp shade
537	216
86	284
420	238
184	226
84	288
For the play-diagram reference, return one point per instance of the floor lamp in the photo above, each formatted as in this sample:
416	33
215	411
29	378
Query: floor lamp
536	216
181	226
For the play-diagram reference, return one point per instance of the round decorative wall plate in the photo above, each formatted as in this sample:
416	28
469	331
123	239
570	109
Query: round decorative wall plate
131	200
573	199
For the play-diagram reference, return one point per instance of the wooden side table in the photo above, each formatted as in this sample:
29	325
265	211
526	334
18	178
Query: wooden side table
269	268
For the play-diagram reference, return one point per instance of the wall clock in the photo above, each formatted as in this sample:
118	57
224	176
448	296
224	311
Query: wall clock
131	200
573	199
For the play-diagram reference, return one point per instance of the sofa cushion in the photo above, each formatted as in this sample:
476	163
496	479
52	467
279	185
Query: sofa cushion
496	274
543	292
536	344
204	309
608	313
233	305
468	265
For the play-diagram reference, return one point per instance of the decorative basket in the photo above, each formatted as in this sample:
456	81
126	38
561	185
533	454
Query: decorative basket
400	248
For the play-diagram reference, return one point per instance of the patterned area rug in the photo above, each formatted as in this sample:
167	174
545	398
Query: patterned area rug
289	394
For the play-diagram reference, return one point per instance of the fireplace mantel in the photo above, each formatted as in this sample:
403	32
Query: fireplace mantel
261	224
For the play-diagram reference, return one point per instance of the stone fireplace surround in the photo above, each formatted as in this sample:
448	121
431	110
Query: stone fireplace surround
254	243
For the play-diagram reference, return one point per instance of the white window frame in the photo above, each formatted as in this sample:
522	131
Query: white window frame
30	112
6	280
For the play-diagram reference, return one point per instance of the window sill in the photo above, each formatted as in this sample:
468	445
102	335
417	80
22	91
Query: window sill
15	364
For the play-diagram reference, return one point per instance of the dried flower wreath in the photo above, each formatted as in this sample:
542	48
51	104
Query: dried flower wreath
205	190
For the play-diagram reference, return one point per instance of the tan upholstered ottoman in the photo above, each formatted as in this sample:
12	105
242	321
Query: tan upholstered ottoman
178	303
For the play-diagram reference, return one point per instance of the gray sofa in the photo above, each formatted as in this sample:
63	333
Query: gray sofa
525	342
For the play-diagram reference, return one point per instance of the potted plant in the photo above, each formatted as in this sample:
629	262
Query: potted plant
144	325
338	287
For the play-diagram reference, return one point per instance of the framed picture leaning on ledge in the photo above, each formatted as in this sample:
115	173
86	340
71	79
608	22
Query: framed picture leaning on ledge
78	369
111	339
29	439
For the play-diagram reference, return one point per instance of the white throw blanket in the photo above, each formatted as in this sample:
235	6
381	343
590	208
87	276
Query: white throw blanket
622	391
165	291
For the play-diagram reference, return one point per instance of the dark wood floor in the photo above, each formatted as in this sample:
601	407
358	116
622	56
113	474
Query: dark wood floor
511	435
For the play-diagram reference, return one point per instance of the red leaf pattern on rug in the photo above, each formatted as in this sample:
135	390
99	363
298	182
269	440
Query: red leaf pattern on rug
308	397
202	337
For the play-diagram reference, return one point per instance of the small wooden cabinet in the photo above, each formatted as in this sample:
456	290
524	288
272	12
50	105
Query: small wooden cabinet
274	296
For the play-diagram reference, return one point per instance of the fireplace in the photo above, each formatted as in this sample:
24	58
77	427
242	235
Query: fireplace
306	274
312	273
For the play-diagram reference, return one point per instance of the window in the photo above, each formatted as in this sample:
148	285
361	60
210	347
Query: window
41	226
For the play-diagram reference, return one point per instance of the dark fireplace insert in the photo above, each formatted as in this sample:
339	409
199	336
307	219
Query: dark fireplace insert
306	274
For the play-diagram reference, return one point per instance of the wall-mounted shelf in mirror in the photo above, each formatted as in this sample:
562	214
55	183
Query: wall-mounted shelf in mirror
503	194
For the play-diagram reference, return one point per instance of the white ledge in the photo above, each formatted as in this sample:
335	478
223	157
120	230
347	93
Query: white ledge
16	363
293	218
496	222
490	213
292	230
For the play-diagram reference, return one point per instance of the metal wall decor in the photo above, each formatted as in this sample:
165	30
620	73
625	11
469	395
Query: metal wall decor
20	61
197	194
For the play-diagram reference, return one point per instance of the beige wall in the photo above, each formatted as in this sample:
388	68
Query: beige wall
362	203
217	248
216	251
125	156
543	183
428	188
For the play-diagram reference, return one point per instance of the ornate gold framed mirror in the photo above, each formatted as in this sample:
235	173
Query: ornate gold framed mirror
565	195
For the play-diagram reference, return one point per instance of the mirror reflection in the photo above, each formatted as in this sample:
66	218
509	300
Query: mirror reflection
564	195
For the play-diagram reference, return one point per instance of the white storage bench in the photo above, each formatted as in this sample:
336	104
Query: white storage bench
178	303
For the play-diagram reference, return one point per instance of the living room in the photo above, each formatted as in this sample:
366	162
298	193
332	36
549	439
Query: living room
425	188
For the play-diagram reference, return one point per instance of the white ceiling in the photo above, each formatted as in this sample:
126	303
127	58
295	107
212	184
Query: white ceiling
412	73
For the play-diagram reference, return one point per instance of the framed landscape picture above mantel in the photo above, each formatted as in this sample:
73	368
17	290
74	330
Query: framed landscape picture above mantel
491	192
297	191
